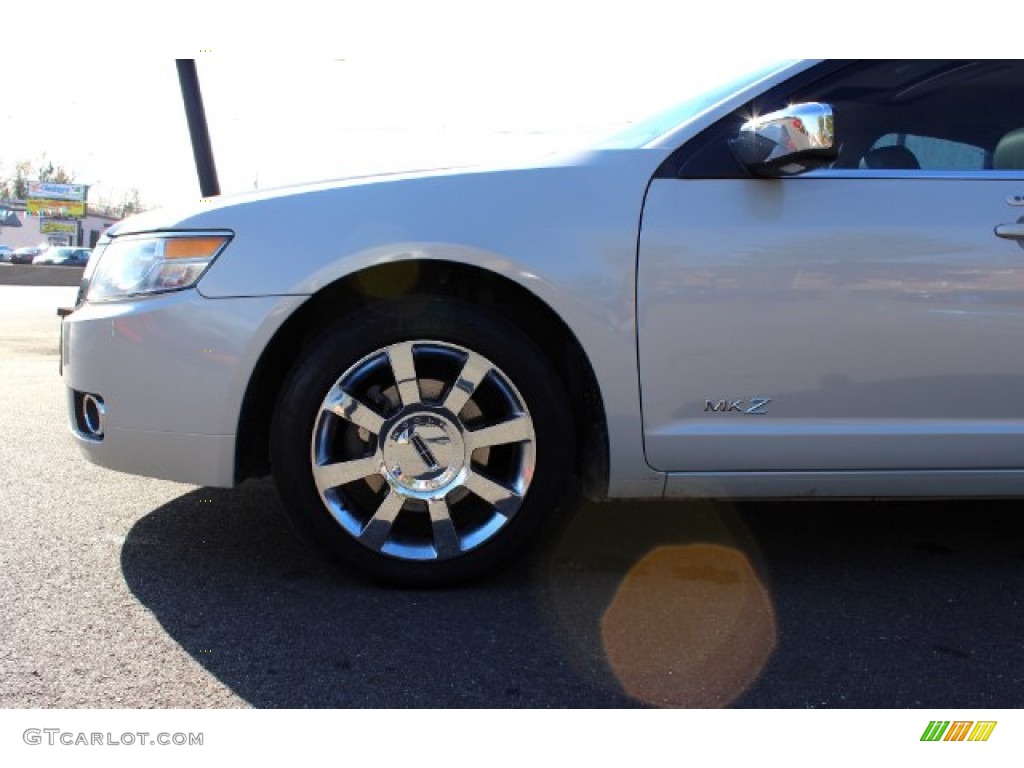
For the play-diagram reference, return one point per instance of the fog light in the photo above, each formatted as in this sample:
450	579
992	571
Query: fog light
89	413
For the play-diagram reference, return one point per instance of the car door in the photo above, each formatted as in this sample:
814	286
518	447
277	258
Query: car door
866	316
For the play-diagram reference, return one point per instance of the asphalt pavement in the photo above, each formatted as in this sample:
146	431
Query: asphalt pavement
39	275
126	592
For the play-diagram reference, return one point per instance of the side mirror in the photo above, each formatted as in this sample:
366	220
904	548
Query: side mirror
788	142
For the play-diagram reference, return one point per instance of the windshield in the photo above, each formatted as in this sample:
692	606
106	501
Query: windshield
645	131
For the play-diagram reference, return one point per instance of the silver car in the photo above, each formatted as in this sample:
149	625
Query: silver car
808	282
26	254
64	256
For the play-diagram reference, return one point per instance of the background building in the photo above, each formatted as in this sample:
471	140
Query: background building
19	229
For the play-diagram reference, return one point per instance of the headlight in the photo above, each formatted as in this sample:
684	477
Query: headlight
139	264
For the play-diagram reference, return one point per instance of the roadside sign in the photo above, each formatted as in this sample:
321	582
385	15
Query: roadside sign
65	209
55	226
46	190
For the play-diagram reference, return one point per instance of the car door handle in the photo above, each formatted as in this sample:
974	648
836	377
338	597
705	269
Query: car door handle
1013	231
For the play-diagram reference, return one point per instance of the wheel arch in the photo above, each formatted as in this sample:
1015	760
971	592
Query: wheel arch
396	281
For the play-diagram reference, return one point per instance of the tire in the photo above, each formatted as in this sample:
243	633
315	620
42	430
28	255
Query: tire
422	443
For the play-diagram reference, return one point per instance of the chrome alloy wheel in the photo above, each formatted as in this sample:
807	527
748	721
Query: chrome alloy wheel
423	450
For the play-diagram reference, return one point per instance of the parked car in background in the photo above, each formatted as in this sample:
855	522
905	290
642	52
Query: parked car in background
26	254
805	283
64	256
5	252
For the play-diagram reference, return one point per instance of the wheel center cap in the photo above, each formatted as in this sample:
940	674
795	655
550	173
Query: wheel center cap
423	453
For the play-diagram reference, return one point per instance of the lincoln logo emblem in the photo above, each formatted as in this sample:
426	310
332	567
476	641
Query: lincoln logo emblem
409	434
421	448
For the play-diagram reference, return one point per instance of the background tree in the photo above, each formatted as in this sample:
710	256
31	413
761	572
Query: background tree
57	174
130	202
15	186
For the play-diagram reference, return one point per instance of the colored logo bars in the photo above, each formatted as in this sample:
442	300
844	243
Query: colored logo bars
958	730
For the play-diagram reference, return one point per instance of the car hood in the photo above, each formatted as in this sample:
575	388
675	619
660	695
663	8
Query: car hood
216	212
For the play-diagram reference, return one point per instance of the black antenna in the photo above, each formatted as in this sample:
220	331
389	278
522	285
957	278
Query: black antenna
198	130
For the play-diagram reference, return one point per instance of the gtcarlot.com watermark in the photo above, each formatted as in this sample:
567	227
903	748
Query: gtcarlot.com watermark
55	736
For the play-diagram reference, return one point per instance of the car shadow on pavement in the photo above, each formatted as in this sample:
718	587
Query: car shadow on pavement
224	575
627	604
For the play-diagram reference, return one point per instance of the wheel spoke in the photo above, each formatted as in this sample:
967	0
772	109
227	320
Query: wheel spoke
379	526
404	369
343	405
473	372
342	472
504	500
516	430
446	539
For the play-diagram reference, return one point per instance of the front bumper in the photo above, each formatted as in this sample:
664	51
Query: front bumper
171	372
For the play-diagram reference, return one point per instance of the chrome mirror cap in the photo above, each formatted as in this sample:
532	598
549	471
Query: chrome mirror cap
788	142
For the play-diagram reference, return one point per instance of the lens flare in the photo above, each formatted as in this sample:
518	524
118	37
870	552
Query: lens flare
690	626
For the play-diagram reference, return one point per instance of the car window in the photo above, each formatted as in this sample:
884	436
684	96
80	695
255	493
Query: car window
927	153
934	115
927	115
